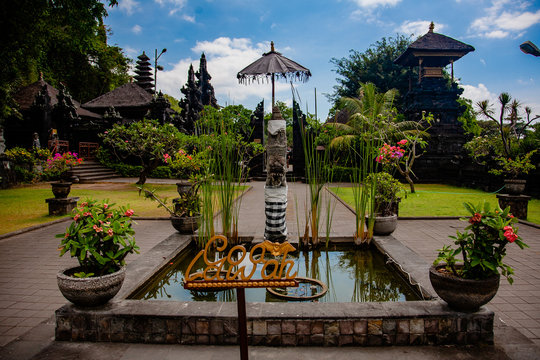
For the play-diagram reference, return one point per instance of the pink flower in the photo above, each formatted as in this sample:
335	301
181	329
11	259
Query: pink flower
129	212
97	229
402	142
508	228
105	206
510	236
110	232
166	157
109	215
76	217
127	141
87	213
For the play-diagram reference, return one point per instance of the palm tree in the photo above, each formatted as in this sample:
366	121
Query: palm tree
370	114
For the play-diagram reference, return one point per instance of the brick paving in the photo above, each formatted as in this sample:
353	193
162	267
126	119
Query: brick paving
29	263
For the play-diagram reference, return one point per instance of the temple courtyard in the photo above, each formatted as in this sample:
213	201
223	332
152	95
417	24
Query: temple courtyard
29	294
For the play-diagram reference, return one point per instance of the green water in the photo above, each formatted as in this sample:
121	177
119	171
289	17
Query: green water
352	275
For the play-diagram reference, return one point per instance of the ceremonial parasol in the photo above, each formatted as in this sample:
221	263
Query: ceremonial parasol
273	64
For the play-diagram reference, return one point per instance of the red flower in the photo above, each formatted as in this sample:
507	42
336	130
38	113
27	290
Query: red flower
475	219
402	142
76	217
129	212
110	232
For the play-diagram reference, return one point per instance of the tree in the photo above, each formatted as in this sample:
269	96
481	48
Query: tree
145	140
375	65
66	40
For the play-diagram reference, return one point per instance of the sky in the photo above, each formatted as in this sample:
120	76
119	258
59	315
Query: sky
234	33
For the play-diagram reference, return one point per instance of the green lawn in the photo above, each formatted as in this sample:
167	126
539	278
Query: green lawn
442	200
25	206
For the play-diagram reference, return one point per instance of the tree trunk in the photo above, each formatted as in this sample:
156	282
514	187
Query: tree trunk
409	180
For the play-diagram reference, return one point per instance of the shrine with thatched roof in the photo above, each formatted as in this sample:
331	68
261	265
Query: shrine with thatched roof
435	92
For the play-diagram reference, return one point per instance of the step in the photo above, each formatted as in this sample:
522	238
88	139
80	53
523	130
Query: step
90	171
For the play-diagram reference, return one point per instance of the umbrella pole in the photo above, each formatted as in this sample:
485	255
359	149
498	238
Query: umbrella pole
273	92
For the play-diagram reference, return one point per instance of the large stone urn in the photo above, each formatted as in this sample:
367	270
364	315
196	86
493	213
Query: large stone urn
91	291
186	224
514	186
463	294
385	225
61	189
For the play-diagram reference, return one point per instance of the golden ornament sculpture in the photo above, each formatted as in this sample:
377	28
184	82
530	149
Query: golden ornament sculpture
226	272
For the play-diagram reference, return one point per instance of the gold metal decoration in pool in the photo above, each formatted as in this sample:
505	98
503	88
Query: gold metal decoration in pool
226	272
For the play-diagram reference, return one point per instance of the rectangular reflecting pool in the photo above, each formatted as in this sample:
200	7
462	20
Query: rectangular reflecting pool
350	275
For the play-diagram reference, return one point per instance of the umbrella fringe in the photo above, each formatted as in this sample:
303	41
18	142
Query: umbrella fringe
297	75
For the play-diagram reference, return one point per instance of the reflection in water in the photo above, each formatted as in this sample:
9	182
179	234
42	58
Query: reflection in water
352	275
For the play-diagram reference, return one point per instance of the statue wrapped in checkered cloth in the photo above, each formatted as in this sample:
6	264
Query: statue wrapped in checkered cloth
275	191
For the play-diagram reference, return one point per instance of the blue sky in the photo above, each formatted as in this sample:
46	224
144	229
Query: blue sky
234	33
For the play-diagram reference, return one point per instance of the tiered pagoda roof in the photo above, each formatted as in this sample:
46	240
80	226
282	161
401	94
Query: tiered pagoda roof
144	73
435	50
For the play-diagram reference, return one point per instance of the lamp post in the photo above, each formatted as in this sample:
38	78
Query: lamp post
529	48
156	68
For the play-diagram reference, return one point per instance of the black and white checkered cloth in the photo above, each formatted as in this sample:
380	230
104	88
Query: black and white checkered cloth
276	225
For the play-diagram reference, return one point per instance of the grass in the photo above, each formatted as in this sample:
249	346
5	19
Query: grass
25	206
441	200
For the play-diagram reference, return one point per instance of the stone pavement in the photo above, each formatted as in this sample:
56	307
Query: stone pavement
29	294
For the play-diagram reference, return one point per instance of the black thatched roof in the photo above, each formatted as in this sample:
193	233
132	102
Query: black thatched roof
438	50
25	98
273	63
127	95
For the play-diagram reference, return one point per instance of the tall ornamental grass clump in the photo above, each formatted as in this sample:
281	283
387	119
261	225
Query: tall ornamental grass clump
227	172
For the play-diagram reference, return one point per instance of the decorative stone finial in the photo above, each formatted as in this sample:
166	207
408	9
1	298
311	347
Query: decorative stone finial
272	46
276	114
431	27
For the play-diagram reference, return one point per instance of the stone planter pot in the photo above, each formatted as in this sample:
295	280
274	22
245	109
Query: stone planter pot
61	189
186	224
514	186
90	292
183	187
463	294
385	225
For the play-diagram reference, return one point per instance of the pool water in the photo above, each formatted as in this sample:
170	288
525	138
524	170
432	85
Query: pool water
351	274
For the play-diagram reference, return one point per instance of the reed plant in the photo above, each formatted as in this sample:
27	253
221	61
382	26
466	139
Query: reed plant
226	174
317	174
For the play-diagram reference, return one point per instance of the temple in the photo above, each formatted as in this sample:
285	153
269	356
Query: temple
433	92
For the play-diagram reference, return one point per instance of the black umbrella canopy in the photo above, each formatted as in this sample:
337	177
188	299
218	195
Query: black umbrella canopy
273	64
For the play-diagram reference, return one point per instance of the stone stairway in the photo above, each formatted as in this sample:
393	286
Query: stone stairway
90	171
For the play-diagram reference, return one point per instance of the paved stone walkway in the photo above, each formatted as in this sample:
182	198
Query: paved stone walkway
29	294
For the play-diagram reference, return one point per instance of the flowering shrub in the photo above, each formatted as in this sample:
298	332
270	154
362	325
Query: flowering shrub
100	237
184	165
61	163
514	167
390	155
483	244
20	156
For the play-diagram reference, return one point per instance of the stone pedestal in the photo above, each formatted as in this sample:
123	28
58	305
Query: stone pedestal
518	204
62	206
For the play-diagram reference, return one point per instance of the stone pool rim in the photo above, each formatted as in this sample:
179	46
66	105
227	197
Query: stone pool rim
421	322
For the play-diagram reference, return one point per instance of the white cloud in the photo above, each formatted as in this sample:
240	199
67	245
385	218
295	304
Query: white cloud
419	27
225	57
478	93
188	18
137	29
128	6
174	6
375	3
131	52
505	18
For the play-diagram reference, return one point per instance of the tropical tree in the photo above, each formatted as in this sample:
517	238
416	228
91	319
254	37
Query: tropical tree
375	65
147	141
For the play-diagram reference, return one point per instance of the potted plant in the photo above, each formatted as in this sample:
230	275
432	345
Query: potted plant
469	284
387	189
60	166
185	213
100	237
512	169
